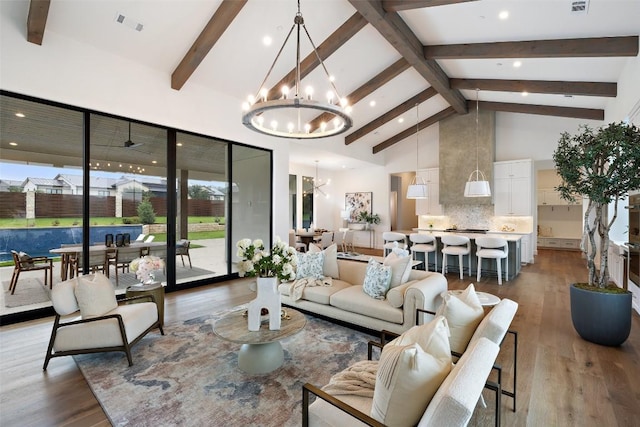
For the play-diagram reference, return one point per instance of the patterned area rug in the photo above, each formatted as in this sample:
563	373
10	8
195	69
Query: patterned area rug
190	377
29	290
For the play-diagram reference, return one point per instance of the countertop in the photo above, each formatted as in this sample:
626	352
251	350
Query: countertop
509	236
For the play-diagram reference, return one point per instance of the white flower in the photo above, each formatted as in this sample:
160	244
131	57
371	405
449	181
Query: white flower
277	259
244	243
258	243
240	253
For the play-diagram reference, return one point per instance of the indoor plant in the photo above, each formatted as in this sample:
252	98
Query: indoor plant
268	267
368	218
602	166
145	267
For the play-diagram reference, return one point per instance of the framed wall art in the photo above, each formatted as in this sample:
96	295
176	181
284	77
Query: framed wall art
356	203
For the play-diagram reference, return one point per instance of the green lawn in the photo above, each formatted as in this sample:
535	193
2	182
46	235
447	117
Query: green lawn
69	222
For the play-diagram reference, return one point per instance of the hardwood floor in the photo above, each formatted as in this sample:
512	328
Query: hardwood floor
562	380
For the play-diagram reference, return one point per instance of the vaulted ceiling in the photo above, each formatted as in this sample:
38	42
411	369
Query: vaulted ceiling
387	55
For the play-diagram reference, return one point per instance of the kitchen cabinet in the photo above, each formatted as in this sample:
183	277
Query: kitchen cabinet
512	194
431	205
526	248
551	197
616	264
559	243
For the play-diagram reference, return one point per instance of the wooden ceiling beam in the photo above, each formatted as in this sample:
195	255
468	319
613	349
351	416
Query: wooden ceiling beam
544	110
412	130
217	25
390	115
539	86
338	38
366	89
397	5
563	48
399	35
37	20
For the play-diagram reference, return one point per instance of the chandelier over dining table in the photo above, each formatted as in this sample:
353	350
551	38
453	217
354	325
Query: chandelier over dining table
290	112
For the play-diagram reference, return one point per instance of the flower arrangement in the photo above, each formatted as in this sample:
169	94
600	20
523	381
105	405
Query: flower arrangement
256	261
145	266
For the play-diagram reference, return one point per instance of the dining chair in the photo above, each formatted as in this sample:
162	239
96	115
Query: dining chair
182	249
326	239
348	241
295	243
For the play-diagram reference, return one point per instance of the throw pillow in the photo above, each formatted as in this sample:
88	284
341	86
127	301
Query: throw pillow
376	280
400	268
330	264
63	297
310	264
463	313
408	377
95	295
25	259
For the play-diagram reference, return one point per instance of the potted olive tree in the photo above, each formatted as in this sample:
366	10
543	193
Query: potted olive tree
602	166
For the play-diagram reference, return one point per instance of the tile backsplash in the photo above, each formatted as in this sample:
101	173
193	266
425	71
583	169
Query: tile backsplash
475	216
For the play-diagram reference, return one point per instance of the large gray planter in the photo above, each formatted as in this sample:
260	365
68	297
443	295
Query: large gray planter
601	318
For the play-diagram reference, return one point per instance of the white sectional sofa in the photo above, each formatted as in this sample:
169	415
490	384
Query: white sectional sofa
345	300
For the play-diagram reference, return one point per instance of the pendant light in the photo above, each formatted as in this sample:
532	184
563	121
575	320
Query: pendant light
418	188
477	187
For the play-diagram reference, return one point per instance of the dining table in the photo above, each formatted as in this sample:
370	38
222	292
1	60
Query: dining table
67	251
307	237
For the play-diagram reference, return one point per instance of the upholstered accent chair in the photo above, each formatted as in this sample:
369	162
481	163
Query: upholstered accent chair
103	324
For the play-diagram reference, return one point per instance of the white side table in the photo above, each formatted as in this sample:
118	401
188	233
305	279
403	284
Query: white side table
486	299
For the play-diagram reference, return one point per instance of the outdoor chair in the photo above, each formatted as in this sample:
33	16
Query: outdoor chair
24	262
182	249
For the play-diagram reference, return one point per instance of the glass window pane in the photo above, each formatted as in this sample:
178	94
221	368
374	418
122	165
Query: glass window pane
40	208
201	212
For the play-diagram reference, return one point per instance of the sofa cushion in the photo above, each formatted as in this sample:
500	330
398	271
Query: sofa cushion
395	296
400	268
96	295
410	374
354	300
318	294
330	263
377	280
463	313
310	264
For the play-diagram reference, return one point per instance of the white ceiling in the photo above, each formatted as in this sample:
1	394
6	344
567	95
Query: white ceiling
239	61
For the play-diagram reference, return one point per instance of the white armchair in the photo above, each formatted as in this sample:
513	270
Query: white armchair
104	323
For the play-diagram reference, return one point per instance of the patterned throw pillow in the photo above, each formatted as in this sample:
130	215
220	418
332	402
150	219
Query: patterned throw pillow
330	268
377	280
310	264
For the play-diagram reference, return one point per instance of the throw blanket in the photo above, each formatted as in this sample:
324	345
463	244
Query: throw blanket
297	287
358	379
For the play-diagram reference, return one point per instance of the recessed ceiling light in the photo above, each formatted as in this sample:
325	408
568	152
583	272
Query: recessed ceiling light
372	103
401	119
525	93
504	14
179	144
517	64
154	161
14	144
20	115
266	40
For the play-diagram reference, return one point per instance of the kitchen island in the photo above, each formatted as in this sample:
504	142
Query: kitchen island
488	265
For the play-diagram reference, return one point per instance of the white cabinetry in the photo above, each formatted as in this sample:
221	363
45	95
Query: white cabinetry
526	248
616	264
431	205
559	243
512	187
551	197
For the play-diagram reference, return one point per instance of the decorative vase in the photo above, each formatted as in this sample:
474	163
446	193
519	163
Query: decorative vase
267	297
599	317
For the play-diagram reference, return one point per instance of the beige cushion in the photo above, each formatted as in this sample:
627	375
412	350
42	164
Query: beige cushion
463	313
410	371
330	264
395	296
63	297
400	268
354	300
319	294
95	295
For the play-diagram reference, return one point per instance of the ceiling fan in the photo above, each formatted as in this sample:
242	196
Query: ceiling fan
128	144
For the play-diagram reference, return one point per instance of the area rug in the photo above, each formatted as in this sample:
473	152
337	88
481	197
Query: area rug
29	290
190	377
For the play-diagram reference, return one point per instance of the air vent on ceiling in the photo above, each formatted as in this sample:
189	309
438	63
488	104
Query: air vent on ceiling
580	7
121	19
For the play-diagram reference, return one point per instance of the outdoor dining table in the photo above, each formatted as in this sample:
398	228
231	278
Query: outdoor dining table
66	251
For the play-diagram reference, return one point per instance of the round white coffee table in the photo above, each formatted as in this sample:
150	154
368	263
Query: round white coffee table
486	299
261	351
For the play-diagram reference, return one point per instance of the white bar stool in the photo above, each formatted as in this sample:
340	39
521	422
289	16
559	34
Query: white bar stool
390	237
423	243
496	248
456	245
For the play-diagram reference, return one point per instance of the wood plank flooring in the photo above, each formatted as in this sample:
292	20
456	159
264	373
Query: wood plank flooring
562	380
